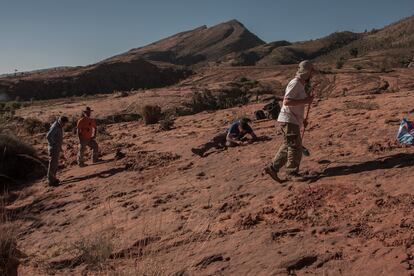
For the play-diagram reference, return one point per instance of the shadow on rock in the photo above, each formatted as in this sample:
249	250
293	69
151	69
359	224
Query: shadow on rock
400	160
103	174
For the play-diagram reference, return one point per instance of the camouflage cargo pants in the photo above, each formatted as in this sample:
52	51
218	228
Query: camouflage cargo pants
290	152
91	143
54	154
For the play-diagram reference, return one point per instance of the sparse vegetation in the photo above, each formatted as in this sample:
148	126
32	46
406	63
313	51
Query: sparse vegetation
361	105
93	252
119	118
340	63
19	160
353	52
12	106
358	67
166	124
8	244
33	125
225	98
151	114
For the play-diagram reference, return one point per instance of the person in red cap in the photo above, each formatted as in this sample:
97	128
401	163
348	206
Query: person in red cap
86	129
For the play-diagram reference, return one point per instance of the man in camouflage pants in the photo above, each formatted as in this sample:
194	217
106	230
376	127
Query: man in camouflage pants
291	118
55	141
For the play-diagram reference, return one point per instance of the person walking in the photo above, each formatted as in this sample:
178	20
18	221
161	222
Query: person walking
292	119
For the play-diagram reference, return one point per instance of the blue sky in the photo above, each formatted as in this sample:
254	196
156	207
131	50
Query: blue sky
39	34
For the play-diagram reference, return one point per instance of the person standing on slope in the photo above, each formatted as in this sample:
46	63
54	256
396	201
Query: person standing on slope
86	129
55	141
292	119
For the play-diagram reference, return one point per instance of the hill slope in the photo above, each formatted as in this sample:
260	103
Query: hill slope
162	209
155	65
198	46
392	45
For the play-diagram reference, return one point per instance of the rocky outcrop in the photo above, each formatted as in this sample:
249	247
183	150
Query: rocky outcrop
100	78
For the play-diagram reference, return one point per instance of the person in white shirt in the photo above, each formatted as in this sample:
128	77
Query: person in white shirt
291	118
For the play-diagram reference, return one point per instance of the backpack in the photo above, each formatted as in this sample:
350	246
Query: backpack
259	115
272	109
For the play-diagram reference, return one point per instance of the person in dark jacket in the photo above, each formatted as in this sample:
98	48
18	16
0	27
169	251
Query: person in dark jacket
55	141
232	138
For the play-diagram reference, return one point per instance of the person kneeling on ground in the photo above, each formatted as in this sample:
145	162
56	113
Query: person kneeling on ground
232	138
55	140
86	129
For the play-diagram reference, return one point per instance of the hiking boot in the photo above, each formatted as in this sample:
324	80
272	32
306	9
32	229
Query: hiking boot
272	173
97	160
81	165
295	176
197	151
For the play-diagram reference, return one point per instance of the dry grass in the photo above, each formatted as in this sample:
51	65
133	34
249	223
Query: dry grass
93	251
361	105
151	114
8	244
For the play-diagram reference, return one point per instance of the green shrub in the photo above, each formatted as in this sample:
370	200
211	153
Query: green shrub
151	114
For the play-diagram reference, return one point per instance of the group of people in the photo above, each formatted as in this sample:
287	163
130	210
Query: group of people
86	130
292	120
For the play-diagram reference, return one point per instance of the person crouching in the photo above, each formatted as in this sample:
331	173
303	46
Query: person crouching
232	138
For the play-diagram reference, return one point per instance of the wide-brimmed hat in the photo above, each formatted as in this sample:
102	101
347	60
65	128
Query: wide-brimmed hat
87	109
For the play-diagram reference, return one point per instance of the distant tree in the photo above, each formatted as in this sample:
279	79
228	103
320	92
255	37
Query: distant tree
354	52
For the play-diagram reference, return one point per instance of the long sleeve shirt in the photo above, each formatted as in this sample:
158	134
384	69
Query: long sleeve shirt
55	136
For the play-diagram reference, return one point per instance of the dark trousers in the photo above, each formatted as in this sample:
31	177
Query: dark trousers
54	153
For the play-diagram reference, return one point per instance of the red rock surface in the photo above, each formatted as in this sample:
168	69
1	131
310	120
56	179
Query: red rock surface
177	213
